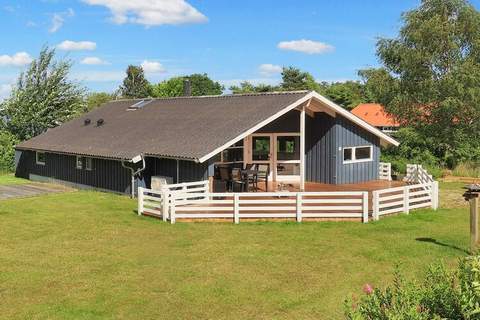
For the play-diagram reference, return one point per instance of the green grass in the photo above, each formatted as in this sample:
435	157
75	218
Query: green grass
11	179
87	255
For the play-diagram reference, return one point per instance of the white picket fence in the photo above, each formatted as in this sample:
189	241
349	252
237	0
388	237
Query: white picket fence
194	201
156	202
385	171
423	193
200	204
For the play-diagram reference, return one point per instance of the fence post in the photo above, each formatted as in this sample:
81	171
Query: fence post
299	207
172	210
434	191
165	205
406	199
236	216
375	204
140	201
365	207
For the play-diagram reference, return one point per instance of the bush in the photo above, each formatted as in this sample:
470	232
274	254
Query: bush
7	151
443	294
467	169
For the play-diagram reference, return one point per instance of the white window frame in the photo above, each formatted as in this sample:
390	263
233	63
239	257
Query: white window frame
42	163
88	164
354	154
76	162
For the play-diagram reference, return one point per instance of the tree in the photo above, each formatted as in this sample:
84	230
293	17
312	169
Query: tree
247	87
96	99
135	85
200	84
347	94
7	150
43	97
295	79
432	71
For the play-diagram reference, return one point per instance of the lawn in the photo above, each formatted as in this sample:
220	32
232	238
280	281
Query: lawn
87	255
11	179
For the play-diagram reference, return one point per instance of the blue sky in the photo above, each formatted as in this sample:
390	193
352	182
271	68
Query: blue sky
229	40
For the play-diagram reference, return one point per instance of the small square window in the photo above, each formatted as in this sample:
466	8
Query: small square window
40	158
363	153
79	163
347	154
88	164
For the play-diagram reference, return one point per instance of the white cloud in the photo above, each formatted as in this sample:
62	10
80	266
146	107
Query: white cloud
151	12
93	61
306	46
99	76
5	90
18	59
152	67
59	18
68	45
268	69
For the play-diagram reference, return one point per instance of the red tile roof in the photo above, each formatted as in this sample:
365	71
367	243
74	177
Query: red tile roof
374	114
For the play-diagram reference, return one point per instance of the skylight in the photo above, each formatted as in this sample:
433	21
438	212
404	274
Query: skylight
140	104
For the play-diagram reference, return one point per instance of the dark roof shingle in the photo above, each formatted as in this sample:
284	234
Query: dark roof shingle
184	127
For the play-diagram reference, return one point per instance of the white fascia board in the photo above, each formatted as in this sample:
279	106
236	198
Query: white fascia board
350	116
257	127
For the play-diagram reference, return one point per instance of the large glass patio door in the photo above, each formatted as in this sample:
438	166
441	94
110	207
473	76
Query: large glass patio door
287	157
280	151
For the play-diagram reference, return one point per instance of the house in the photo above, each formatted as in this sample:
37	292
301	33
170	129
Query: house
374	114
302	135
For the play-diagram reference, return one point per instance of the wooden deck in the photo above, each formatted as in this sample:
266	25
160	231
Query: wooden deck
320	187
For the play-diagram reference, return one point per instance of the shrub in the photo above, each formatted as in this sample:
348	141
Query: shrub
7	151
442	294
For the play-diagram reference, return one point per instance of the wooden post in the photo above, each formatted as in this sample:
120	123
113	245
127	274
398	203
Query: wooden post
165	206
406	199
236	208
140	201
299	207
302	149
473	223
172	209
365	207
434	195
375	203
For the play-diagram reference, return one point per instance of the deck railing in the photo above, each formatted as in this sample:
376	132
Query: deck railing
385	171
404	199
173	204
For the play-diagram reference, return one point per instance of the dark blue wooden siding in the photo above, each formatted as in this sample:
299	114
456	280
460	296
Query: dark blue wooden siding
349	134
325	139
105	174
189	171
289	122
320	148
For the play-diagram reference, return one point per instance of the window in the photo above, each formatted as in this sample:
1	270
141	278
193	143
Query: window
79	163
288	148
357	154
40	158
88	164
233	153
261	148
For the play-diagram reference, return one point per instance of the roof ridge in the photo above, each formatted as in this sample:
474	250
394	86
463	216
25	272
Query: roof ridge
218	96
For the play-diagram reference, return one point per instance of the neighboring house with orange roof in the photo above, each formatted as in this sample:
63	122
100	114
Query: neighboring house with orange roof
375	115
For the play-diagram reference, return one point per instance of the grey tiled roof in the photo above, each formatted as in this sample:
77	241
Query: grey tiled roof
183	127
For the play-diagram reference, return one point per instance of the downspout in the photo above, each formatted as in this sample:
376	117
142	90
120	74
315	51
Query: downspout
134	172
178	171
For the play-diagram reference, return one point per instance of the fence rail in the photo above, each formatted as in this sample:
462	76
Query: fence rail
194	201
404	199
176	204
385	171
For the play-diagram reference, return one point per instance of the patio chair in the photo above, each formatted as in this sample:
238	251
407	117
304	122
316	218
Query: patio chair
238	183
263	172
225	176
